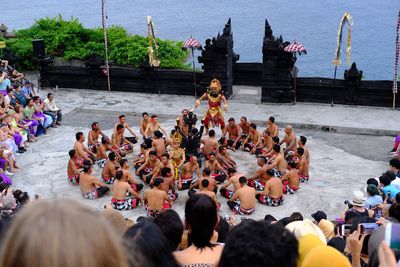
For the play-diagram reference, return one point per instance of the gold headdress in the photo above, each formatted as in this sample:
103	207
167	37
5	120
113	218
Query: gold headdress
215	84
176	138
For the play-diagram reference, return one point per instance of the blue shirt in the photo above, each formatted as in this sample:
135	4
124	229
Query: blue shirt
20	97
392	189
26	91
6	83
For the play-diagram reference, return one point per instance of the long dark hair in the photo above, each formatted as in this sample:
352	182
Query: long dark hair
147	246
201	216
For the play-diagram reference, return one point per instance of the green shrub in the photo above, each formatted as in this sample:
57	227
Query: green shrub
70	40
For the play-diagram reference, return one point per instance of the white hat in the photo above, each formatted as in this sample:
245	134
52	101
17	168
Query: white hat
358	199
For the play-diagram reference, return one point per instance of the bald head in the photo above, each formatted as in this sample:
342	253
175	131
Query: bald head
288	129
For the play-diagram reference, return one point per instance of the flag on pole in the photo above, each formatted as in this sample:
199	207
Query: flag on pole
191	43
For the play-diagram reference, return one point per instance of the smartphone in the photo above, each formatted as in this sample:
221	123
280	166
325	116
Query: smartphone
368	228
392	235
345	229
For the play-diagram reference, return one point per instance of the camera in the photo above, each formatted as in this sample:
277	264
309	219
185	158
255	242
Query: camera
190	119
346	202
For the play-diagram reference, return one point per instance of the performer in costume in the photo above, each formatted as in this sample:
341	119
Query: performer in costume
214	113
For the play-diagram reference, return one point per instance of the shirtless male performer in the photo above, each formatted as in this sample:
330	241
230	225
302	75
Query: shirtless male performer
246	196
245	127
212	186
146	171
156	199
303	165
278	162
224	159
93	137
203	190
73	170
153	126
122	120
169	183
82	151
273	192
258	179
217	171
265	145
186	176
120	144
101	152
272	127
159	143
110	168
289	140
128	176
210	143
91	187
234	180
253	139
301	142
234	134
164	163
121	188
291	179
144	122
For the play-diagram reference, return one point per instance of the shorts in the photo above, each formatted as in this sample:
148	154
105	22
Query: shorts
269	201
287	189
125	204
231	142
186	182
237	209
154	213
74	180
96	192
304	178
257	184
108	180
226	193
101	162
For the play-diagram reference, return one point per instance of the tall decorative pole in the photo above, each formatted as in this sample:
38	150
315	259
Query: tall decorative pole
104	23
336	61
396	61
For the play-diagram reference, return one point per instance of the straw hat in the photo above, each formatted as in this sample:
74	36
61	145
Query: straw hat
358	199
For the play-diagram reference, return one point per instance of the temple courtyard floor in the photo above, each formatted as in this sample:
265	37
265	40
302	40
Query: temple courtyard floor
348	145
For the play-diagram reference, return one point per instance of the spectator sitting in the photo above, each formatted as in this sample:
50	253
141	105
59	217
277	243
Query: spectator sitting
147	246
357	206
201	218
69	234
27	91
19	96
395	168
373	200
9	98
52	110
259	244
388	189
45	120
4	82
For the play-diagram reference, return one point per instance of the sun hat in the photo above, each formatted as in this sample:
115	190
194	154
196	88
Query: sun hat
358	199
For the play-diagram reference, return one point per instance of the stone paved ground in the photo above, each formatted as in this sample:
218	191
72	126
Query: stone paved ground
340	162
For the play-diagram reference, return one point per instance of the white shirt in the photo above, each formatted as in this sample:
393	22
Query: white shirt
50	105
396	183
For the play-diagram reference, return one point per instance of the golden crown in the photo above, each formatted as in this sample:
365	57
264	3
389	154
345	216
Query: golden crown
215	84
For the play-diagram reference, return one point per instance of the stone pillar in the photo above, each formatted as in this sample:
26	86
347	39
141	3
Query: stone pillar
217	59
277	66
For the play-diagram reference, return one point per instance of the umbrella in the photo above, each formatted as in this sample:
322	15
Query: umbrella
192	44
295	48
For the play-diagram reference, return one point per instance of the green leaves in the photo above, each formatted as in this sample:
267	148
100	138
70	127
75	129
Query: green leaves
70	40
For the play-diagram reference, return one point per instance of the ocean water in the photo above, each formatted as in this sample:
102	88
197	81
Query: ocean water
314	23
